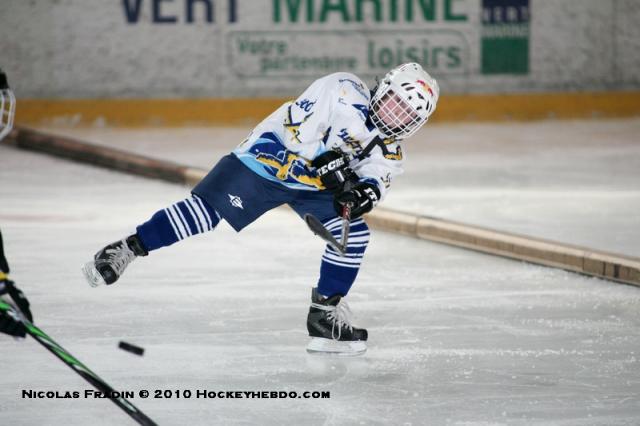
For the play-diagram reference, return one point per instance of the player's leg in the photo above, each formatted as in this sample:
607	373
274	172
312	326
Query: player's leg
338	273
230	191
186	218
329	318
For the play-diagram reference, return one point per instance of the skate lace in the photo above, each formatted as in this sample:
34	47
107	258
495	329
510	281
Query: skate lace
340	316
119	258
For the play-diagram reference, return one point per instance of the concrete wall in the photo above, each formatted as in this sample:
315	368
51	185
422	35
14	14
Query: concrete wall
273	48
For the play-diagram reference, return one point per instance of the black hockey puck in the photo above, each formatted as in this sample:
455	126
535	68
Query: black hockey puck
131	348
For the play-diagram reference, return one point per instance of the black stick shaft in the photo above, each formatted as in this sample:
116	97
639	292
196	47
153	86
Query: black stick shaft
346	225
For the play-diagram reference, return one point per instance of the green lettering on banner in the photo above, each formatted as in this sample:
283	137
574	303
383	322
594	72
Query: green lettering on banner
293	8
291	54
428	8
377	10
440	58
359	10
448	12
310	10
340	6
393	11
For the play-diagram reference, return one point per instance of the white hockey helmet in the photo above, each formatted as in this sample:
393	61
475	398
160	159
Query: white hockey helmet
404	100
7	106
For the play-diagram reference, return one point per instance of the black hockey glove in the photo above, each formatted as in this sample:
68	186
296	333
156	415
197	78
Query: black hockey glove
363	197
333	169
11	325
12	295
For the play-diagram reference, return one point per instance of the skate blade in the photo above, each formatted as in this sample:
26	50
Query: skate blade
92	275
322	346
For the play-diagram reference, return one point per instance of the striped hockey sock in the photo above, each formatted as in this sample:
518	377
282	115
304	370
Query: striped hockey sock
183	219
338	273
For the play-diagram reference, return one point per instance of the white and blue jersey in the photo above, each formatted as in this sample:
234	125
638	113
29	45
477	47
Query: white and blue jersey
331	114
272	167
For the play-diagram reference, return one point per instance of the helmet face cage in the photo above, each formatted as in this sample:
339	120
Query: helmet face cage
7	106
394	117
403	101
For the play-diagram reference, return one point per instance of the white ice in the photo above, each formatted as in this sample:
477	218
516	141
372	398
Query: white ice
456	337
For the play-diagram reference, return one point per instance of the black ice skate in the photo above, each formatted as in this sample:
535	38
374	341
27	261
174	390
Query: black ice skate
110	262
329	325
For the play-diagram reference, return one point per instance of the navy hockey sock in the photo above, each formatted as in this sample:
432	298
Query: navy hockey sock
183	219
338	273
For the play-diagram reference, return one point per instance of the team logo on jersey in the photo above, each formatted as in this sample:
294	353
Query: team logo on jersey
306	105
283	164
235	201
387	180
289	167
294	127
390	155
350	141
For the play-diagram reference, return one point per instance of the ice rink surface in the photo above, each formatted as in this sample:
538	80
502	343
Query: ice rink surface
456	337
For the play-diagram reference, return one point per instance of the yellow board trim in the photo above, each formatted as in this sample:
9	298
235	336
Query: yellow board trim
3	276
248	112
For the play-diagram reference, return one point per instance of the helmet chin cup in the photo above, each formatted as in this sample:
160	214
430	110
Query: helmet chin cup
403	101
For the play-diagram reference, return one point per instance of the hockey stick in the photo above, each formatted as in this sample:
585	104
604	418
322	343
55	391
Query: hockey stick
77	366
318	228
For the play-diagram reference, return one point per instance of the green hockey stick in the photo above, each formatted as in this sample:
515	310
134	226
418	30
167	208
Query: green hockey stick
77	366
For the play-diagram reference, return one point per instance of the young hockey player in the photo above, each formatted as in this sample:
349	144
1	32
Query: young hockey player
336	145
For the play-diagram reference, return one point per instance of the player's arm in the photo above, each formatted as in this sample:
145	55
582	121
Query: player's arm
374	176
349	104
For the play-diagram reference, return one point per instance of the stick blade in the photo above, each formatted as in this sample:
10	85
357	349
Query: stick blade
318	228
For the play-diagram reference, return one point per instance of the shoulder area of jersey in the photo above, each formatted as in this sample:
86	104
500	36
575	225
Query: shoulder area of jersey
350	85
351	97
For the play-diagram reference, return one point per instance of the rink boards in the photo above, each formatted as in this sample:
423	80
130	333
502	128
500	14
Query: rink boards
612	266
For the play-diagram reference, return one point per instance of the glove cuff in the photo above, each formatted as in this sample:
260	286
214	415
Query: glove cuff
371	189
